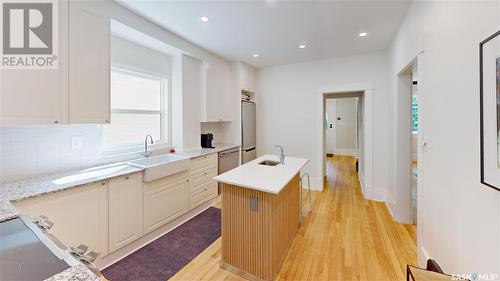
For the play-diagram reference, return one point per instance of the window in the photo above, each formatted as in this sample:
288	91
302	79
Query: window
414	114
138	108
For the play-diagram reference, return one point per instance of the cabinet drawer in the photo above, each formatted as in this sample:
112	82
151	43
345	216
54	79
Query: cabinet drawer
176	178
202	162
206	176
205	193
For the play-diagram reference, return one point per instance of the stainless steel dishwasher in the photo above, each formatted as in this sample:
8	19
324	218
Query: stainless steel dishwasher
228	160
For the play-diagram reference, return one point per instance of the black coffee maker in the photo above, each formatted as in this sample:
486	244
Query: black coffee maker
206	140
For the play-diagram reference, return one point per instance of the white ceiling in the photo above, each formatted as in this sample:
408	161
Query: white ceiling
274	29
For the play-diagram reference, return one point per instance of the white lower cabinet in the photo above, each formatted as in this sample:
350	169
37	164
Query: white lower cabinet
125	210
165	199
80	215
109	215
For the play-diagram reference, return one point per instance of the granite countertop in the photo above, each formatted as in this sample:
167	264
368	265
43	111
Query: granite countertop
12	192
271	179
38	186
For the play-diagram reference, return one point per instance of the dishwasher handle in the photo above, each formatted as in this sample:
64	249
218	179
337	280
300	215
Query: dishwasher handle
227	153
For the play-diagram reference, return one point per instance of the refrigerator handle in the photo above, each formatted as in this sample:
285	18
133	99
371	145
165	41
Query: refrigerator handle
249	149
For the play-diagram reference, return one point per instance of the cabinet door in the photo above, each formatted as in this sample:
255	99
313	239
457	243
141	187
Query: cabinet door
217	93
247	78
80	215
125	210
30	97
89	63
165	203
33	96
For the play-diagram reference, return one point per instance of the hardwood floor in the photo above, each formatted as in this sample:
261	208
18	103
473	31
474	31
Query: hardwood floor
344	237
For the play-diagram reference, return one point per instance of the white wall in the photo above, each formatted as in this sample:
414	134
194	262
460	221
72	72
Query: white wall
186	102
460	225
342	138
135	57
287	111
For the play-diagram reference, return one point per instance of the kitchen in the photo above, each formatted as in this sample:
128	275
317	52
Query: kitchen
91	195
187	140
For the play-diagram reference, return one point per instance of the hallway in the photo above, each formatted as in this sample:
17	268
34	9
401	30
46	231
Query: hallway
345	237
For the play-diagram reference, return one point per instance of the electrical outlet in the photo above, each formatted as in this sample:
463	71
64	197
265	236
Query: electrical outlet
76	142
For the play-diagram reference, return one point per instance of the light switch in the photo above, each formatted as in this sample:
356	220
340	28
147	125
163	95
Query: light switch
76	142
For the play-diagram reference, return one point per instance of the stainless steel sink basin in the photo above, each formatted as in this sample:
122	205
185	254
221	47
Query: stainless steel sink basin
269	163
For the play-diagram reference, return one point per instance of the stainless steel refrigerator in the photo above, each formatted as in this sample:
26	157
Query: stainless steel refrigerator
248	132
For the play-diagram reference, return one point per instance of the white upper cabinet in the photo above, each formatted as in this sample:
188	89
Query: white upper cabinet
78	89
30	97
89	63
216	97
34	94
247	78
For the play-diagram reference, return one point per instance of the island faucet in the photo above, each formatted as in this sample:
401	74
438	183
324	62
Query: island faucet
146	152
282	155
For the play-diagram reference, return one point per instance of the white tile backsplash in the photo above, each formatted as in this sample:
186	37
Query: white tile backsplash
38	150
216	128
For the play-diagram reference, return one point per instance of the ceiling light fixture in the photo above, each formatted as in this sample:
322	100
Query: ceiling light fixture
302	46
204	19
255	55
363	34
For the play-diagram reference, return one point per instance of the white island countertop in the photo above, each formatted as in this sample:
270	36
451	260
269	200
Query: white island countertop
271	179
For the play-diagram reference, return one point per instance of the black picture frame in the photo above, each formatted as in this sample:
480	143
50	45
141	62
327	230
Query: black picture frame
481	101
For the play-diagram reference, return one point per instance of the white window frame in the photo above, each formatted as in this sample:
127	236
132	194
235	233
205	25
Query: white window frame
165	114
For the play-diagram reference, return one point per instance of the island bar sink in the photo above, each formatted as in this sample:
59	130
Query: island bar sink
269	163
161	166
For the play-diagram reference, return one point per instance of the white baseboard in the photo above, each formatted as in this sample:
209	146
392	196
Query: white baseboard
362	183
379	194
121	253
316	183
389	202
422	257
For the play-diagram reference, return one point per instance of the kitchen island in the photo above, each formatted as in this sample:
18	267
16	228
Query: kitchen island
260	215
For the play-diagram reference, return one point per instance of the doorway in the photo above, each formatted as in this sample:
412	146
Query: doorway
414	144
341	120
409	144
347	130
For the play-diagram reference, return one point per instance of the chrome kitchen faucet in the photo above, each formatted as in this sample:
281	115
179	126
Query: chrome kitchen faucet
146	152
282	156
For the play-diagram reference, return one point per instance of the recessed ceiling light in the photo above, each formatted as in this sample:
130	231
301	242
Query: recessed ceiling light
302	46
204	19
363	34
255	55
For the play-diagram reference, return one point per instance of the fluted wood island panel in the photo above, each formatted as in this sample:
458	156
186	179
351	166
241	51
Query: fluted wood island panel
256	237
